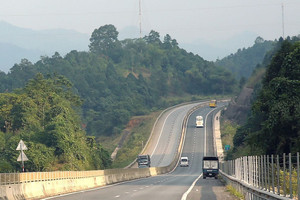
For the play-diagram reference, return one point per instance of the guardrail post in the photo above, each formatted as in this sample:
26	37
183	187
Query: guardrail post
262	172
298	180
265	172
268	172
290	169
256	170
278	176
272	161
284	186
248	161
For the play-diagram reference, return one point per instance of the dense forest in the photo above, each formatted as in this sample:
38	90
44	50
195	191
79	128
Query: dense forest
55	103
273	126
44	114
120	79
244	61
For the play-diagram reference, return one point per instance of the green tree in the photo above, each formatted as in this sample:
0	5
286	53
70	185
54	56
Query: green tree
153	38
273	127
104	40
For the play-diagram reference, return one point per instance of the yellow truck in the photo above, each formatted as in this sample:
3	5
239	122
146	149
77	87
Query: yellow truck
213	103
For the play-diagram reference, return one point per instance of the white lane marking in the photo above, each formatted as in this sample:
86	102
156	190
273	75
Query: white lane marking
135	190
205	130
161	131
117	196
184	196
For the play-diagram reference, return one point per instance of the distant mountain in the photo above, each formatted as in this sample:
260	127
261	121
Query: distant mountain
11	54
243	62
31	44
219	49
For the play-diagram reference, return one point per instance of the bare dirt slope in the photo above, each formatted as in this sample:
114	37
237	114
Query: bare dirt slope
239	107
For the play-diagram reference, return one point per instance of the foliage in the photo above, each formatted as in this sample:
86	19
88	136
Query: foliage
120	79
43	115
228	130
235	192
244	61
137	139
274	125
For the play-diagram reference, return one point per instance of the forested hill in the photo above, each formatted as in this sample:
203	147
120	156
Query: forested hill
244	61
119	79
273	126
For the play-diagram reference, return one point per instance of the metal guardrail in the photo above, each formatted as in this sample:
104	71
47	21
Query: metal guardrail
275	174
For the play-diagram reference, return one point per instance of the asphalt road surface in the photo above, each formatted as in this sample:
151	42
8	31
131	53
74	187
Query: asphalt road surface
171	186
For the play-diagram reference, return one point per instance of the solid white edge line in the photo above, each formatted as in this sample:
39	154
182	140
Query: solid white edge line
184	196
161	131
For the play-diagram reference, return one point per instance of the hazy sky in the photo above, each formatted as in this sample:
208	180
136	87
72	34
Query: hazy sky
184	20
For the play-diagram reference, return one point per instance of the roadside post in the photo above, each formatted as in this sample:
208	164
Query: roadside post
22	157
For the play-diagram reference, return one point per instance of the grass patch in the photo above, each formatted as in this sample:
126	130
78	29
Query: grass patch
234	192
109	143
228	130
136	141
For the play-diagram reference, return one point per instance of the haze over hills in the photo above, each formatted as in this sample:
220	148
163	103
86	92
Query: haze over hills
17	43
219	49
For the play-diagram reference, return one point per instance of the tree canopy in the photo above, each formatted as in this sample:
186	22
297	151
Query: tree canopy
274	124
43	115
119	79
245	60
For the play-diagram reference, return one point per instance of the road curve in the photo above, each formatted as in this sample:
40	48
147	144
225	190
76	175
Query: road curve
198	142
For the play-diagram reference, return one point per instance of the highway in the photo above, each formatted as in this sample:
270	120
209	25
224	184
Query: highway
171	186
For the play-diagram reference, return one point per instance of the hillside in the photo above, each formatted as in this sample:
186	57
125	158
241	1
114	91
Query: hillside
120	79
243	62
272	126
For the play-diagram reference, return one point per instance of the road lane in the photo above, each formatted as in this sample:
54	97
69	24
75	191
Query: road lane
169	186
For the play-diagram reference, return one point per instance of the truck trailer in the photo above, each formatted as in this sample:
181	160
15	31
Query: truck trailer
210	166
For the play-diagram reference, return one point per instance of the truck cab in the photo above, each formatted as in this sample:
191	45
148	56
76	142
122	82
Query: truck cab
210	166
143	161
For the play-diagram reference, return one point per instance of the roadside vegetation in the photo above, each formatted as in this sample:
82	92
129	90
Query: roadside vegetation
66	107
273	124
228	129
114	82
136	141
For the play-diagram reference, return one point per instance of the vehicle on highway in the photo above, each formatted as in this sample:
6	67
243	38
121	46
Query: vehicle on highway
184	162
213	103
143	160
199	122
210	166
143	166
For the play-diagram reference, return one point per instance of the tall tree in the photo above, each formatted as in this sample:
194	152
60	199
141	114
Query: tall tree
104	40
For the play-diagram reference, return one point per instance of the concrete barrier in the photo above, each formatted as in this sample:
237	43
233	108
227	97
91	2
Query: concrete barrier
36	185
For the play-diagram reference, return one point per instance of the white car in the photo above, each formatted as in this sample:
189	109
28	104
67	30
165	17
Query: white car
184	162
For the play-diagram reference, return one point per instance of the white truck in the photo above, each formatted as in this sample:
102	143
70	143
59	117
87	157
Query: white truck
199	122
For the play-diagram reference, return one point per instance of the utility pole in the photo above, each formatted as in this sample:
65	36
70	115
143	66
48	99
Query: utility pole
140	17
282	7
